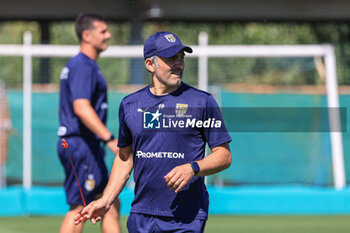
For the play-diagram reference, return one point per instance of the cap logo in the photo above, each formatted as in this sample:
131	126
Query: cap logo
170	38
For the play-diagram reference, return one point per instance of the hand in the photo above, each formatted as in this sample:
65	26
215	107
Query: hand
113	146
94	211
179	176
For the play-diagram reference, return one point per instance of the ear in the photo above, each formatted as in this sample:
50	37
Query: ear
150	65
85	36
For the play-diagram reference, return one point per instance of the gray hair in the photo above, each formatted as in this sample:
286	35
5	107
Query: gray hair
154	59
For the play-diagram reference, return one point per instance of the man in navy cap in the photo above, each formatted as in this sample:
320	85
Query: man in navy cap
163	131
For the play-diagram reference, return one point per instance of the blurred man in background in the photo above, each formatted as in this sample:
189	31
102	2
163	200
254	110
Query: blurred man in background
162	136
83	115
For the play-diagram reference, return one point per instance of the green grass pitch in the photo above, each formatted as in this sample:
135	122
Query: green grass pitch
215	224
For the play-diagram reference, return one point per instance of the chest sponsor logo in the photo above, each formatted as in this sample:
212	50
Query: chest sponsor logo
155	120
159	155
158	120
152	120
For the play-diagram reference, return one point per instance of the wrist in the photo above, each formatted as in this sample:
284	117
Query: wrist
195	167
111	138
107	202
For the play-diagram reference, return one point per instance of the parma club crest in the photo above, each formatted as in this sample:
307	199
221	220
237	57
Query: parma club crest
170	38
90	183
181	109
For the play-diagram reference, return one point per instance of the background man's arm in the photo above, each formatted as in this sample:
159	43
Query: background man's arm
88	115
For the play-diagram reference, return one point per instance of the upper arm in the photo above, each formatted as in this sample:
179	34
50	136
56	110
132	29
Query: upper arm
224	147
217	134
82	81
80	106
223	153
125	135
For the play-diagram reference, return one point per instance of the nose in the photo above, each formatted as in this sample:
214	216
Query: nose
108	35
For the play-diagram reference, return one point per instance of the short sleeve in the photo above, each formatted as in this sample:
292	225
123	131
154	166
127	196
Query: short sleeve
82	81
217	134
125	137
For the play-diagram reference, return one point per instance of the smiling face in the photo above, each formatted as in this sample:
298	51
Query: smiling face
167	72
98	36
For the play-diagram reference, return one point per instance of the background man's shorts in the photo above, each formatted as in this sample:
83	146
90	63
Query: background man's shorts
149	223
88	159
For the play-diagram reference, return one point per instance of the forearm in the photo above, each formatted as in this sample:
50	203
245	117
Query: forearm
218	160
86	113
120	173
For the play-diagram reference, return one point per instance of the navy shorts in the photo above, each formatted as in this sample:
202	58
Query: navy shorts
143	223
88	160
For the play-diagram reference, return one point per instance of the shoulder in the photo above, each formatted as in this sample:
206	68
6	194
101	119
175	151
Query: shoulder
79	62
195	95
79	66
189	90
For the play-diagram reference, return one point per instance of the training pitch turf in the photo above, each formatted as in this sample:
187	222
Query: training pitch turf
215	224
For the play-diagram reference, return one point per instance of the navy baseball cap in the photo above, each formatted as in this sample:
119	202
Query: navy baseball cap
164	44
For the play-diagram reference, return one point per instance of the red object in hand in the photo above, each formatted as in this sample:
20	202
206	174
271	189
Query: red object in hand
64	144
84	218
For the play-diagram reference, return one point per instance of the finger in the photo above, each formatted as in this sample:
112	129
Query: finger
177	183
84	217
94	220
76	222
84	211
89	210
182	184
168	176
77	217
79	220
168	179
174	182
